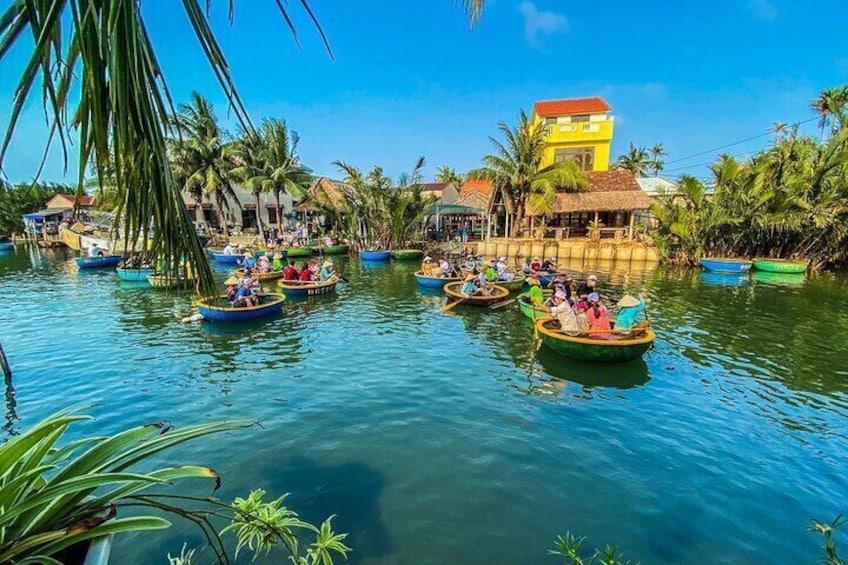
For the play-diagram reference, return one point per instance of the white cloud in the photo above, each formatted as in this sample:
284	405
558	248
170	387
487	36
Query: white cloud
762	9
539	23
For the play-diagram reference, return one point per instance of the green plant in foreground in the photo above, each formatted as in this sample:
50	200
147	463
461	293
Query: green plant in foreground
826	530
569	548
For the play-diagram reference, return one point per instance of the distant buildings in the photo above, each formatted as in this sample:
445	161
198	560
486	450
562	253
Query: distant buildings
58	208
577	129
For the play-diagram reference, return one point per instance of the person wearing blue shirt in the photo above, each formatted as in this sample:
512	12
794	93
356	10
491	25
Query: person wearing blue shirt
631	307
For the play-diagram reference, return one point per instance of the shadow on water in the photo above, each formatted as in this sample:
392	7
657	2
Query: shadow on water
594	375
351	491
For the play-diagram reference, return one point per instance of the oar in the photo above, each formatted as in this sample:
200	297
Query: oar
501	304
452	305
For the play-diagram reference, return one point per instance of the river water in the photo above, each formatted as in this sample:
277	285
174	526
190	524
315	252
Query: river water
441	437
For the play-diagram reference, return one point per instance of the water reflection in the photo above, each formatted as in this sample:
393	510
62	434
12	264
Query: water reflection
724	279
602	375
788	279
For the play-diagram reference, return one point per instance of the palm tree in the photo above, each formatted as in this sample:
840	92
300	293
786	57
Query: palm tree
657	153
446	174
516	167
203	157
120	104
779	129
830	105
636	160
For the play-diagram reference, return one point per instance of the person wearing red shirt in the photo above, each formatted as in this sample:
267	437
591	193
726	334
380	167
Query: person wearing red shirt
306	274
290	272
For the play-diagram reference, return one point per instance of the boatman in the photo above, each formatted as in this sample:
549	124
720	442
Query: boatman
468	287
327	270
95	250
631	307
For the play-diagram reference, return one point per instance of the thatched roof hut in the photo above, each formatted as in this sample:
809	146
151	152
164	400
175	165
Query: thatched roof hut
608	191
325	193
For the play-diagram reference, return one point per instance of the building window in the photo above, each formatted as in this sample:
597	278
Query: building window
583	156
580	118
550	121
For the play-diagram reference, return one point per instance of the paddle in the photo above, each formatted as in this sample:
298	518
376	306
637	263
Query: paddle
452	305
502	304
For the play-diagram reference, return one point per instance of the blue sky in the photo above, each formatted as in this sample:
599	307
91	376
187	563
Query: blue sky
409	78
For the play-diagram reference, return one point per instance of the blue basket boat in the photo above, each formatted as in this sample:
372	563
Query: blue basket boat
98	262
226	259
433	282
376	255
6	246
726	265
219	309
307	288
134	275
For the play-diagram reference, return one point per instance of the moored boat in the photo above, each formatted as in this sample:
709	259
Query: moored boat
586	348
98	262
376	255
331	250
531	310
134	275
433	282
226	259
720	265
499	294
308	288
407	254
512	285
780	266
298	252
161	281
219	309
269	276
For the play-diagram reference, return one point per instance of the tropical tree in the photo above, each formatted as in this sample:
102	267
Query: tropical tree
17	200
516	167
830	105
637	160
100	75
657	153
203	157
448	175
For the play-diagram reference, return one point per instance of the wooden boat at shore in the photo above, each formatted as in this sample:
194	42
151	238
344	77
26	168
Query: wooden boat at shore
219	309
307	288
163	282
719	265
585	348
433	282
261	277
407	254
331	250
376	255
134	275
98	262
531	310
499	294
780	266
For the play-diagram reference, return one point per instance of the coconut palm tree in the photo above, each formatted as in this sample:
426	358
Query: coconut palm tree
657	153
637	160
516	167
203	156
830	105
100	75
448	175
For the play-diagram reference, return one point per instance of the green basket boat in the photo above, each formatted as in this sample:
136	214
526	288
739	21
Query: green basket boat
595	350
298	252
407	254
530	310
780	266
331	250
515	284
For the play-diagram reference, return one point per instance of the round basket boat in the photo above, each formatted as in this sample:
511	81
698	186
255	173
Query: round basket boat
161	281
269	276
499	294
6	246
726	265
225	259
298	252
376	255
433	282
597	350
513	285
98	262
780	266
219	309
531	310
331	250
407	254
134	275
304	288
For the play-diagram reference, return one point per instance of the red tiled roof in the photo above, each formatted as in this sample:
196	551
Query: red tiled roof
434	186
570	106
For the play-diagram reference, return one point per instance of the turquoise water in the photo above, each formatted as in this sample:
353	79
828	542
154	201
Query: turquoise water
440	437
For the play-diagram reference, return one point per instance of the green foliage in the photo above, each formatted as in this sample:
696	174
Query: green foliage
15	201
831	557
570	549
640	160
186	557
447	174
516	168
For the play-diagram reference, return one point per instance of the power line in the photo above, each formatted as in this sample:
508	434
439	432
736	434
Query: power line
770	131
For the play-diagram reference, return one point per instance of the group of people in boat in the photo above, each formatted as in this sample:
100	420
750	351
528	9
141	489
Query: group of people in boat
537	265
136	261
309	271
580	310
440	269
243	292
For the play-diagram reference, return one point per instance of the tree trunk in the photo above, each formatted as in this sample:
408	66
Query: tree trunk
222	219
259	229
279	216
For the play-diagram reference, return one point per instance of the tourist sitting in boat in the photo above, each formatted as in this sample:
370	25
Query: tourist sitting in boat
277	263
580	311
469	286
471	263
455	272
562	282
290	273
588	287
445	266
95	250
263	265
328	271
328	241
565	314
534	293
145	264
631	307
427	267
245	296
502	269
550	265
249	262
598	317
231	249
490	275
436	271
232	288
306	274
535	265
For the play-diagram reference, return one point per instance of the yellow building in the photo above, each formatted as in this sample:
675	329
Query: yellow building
578	129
